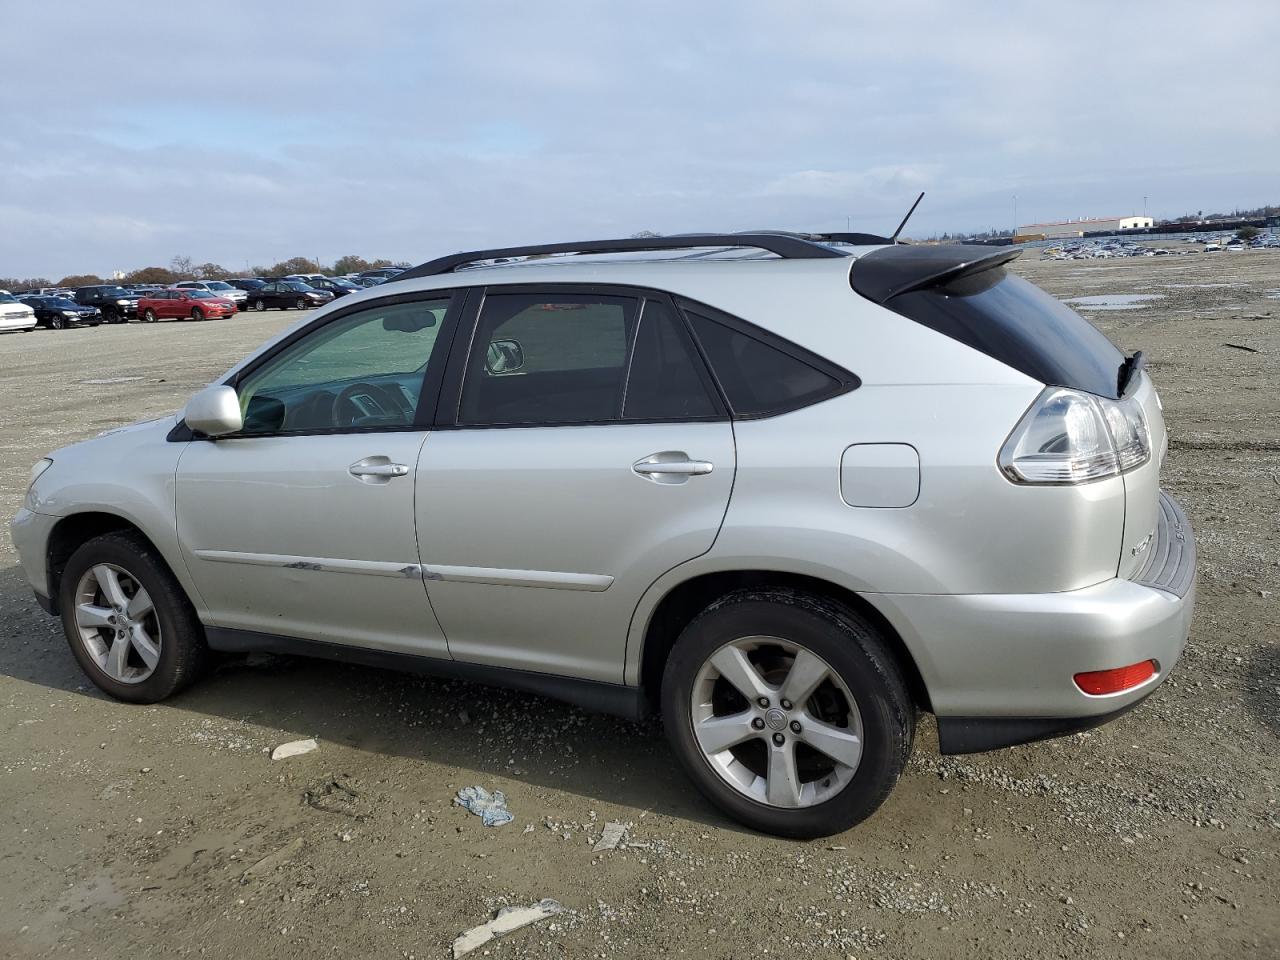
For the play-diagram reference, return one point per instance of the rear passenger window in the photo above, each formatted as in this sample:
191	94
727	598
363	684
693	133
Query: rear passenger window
548	358
667	381
758	378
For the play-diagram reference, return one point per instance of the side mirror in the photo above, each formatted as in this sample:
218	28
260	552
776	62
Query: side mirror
214	411
503	356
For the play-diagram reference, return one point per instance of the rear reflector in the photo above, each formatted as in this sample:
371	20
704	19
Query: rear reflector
1099	682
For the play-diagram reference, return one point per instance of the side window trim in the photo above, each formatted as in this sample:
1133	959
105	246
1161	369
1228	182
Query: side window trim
847	379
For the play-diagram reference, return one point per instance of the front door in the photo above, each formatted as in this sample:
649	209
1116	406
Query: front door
586	453
301	524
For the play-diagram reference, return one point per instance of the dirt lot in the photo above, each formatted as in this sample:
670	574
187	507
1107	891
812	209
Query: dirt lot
134	831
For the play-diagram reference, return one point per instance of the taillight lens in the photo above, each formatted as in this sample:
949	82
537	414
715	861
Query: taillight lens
1073	437
1099	683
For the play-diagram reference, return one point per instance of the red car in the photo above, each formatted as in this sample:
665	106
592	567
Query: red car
181	304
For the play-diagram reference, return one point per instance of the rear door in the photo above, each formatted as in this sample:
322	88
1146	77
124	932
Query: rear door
581	452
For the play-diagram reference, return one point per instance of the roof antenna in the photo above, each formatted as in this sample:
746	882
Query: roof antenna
894	238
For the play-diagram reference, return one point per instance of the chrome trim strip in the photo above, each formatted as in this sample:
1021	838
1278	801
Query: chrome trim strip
372	568
554	579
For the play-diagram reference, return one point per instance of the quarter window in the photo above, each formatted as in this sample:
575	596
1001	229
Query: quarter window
362	371
667	380
760	379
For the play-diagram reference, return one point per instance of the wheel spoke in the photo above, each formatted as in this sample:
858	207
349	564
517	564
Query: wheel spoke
739	671
783	786
716	734
118	656
807	671
140	605
840	745
147	650
109	581
88	615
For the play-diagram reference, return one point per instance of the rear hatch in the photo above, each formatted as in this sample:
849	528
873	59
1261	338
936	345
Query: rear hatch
965	293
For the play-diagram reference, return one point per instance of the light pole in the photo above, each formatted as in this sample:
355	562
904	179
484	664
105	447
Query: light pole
1015	215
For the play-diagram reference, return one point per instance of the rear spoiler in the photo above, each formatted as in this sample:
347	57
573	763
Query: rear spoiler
885	273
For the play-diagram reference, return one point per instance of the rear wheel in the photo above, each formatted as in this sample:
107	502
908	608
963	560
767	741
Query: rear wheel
129	624
788	712
149	315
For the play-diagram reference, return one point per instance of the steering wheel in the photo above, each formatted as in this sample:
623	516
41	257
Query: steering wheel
363	401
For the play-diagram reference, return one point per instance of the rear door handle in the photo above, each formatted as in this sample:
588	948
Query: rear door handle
377	470
671	466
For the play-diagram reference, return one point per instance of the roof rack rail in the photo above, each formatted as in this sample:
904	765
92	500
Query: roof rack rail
786	247
858	239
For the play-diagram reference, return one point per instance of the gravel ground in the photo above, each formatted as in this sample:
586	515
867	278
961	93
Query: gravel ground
143	831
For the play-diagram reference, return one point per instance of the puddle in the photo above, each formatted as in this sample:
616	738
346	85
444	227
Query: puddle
1114	301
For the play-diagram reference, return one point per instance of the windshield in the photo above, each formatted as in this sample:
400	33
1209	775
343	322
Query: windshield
115	292
62	303
8	298
218	285
296	285
202	295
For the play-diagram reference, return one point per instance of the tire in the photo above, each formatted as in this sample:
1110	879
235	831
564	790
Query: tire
782	628
301	304
149	316
259	305
171	623
57	323
197	313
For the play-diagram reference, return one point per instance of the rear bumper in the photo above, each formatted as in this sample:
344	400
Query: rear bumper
999	667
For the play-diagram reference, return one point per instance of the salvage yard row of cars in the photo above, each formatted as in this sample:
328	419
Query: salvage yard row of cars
89	306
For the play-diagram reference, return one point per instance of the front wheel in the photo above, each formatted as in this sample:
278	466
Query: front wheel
129	624
149	316
259	305
197	313
788	712
300	304
58	323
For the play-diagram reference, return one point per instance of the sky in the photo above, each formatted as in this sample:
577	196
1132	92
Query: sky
245	133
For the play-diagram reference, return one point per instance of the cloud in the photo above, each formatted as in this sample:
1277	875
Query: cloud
414	129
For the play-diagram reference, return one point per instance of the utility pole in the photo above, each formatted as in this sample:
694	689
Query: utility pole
1144	205
1015	215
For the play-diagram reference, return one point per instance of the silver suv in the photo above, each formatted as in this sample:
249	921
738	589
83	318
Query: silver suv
789	490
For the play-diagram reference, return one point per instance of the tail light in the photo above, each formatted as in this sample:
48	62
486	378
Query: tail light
1073	437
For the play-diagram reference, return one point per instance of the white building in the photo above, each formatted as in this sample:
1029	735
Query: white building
1078	228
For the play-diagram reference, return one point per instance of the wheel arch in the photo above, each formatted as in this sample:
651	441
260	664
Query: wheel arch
685	600
73	531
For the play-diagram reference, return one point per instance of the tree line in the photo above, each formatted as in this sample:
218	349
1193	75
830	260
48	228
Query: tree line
185	268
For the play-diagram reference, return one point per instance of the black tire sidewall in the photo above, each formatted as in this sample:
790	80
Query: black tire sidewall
182	646
197	313
854	649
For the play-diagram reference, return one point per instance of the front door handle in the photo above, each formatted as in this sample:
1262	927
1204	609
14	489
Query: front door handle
671	466
377	470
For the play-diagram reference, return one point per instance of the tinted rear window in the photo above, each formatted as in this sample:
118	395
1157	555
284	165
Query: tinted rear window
760	379
1017	323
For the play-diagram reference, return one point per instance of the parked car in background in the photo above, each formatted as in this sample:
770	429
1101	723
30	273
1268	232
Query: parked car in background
59	313
382	274
361	281
247	284
287	295
14	314
335	285
175	304
219	288
117	304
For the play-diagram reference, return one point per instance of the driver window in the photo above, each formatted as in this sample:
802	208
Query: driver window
362	371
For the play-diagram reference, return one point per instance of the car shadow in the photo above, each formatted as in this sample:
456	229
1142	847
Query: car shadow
1263	676
484	732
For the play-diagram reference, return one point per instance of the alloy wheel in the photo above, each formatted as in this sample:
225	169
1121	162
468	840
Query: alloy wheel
57	323
775	722
301	304
117	623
